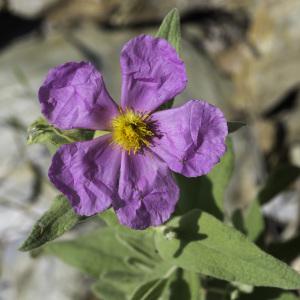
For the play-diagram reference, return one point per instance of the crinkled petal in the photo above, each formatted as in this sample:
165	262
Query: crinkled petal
87	173
73	95
192	137
152	73
147	191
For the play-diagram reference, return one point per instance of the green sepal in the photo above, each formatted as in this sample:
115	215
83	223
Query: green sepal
234	126
41	132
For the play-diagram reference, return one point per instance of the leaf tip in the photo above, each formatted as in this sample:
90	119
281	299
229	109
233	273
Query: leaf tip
235	125
174	10
24	247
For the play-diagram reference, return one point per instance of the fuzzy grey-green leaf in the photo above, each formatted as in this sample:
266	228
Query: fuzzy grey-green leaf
95	253
184	284
55	222
107	291
150	290
170	29
208	246
287	296
197	292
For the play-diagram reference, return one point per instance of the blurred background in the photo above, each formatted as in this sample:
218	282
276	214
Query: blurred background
243	56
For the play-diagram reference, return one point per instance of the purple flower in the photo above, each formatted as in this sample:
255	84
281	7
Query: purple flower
130	169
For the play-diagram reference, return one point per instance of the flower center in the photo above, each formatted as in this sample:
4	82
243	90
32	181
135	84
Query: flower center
132	130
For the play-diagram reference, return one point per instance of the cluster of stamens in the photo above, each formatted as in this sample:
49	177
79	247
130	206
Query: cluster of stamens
132	130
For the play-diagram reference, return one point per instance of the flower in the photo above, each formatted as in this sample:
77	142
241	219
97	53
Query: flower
130	169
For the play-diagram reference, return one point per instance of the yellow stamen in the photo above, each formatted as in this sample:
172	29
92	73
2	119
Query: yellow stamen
131	130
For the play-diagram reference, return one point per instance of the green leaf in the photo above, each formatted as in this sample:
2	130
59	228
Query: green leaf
254	222
184	285
177	287
234	126
221	175
124	282
129	281
208	246
109	217
143	289
103	252
287	296
197	293
238	221
55	222
150	290
139	242
94	254
107	291
207	192
42	132
170	31
123	279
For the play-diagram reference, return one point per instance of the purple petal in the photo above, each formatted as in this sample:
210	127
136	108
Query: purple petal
193	137
152	73
74	96
147	191
87	173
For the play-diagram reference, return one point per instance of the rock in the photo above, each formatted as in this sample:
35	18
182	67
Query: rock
296	264
21	278
204	80
291	117
126	12
265	134
266	65
284	208
30	8
249	172
24	66
295	154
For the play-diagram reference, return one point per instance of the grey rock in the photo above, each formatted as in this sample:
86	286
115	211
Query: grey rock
30	8
295	154
266	65
126	12
21	278
284	207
